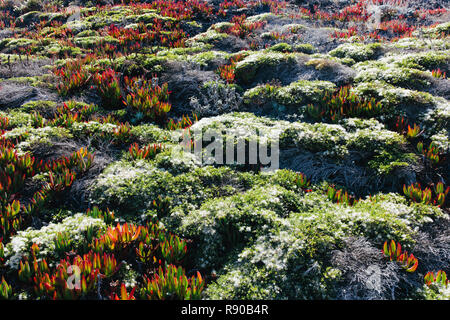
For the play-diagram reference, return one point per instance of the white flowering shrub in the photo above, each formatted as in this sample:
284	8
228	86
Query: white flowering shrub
303	92
291	260
32	137
250	66
221	224
357	109
436	293
74	227
393	74
357	51
131	187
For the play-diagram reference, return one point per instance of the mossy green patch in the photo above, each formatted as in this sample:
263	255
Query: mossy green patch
247	69
357	51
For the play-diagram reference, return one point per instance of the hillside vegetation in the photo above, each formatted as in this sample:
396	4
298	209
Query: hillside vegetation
98	200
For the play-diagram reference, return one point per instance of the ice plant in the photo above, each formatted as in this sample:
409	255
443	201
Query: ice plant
394	253
148	98
37	121
302	181
73	75
146	253
118	239
122	133
5	290
2	253
413	132
71	278
226	72
439	74
146	152
60	182
66	114
184	123
352	31
10	219
124	295
416	194
24	272
340	196
108	86
38	201
173	249
400	124
440	279
62	243
432	154
242	28
107	216
4	123
162	205
172	283
440	194
435	196
344	103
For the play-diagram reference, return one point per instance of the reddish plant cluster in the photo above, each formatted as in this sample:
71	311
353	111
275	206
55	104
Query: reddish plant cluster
62	173
352	31
124	295
424	13
146	152
7	20
180	10
164	33
226	6
439	279
402	127
2	253
58	283
80	275
435	196
122	133
302	182
344	103
352	13
394	253
227	72
142	95
241	28
66	115
397	27
4	123
184	123
148	98
439	74
413	132
340	196
432	154
108	86
73	75
5	290
16	169
173	284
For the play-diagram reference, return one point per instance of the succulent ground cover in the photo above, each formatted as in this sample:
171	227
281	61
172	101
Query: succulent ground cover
97	200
